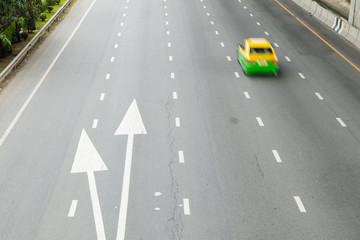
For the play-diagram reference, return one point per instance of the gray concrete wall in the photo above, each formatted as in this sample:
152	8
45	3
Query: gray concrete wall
342	7
354	16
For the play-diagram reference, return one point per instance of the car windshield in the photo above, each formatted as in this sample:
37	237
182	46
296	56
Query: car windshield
260	50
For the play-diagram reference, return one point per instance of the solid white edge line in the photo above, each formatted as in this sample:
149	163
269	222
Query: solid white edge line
95	123
300	204
72	209
276	155
341	122
319	96
260	122
181	157
175	95
32	94
186	206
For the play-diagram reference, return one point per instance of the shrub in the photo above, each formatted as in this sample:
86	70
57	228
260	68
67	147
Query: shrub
50	2
5	46
57	2
24	35
49	8
11	34
43	16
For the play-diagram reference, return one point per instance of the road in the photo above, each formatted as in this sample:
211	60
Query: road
138	110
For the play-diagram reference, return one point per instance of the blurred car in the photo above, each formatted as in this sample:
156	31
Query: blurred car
257	56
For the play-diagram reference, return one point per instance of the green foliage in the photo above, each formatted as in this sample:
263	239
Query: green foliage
50	2
57	2
11	34
5	46
49	8
42	16
24	35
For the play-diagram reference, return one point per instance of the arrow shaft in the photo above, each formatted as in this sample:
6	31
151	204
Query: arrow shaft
125	189
99	224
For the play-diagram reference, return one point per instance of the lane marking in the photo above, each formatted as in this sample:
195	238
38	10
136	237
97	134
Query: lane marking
124	15
122	24
251	15
72	209
208	14
245	7
95	123
116	46
228	58
165	7
276	45
107	76
204	6
169	44
301	75
102	96
181	157
166	22
260	122
175	95
237	75
168	32
212	23
216	32
126	7
172	75
32	94
247	95
322	39
287	58
341	122
166	14
319	96
266	33
186	206
258	23
119	34
300	204
112	59
276	155
177	122
170	58
222	44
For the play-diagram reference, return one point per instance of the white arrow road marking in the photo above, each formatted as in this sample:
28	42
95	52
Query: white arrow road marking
87	159
130	125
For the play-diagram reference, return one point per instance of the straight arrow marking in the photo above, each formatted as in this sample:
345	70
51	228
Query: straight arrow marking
130	125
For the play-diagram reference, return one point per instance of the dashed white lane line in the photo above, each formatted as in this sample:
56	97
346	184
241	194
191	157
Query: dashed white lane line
172	75
266	33
72	209
116	46
170	58
208	14
228	58
237	75
239	1
301	75
319	96
222	44
247	95
300	204
251	15
102	96
175	95
258	23
166	22
122	24
212	23
276	45
204	6
276	155
260	122
216	32
126	7
95	123
181	157
167	32
107	76
119	34
112	59
177	122
166	14
124	15
169	44
287	59
165	7
341	122
245	7
186	206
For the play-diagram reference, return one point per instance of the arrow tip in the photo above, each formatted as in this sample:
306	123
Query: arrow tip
87	158
132	122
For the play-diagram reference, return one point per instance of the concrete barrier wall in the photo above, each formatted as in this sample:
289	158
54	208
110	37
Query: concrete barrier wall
349	32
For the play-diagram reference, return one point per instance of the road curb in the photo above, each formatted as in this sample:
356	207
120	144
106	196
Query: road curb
18	59
341	26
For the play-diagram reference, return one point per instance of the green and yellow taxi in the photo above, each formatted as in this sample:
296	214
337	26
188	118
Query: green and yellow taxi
257	56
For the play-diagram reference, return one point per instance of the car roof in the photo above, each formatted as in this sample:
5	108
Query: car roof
258	43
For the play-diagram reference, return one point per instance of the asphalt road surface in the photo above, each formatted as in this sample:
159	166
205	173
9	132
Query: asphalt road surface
134	120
